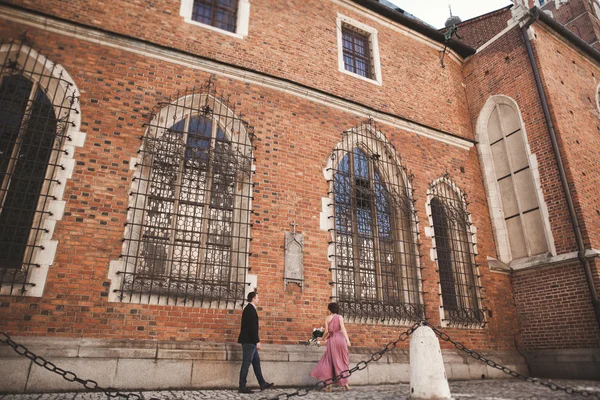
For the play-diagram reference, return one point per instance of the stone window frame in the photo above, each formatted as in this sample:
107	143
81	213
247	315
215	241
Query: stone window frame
491	185
598	97
355	138
44	255
242	22
471	233
372	33
132	230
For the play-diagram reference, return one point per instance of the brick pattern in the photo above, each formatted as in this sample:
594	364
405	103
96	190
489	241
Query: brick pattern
295	40
492	72
579	16
294	140
551	301
560	315
477	31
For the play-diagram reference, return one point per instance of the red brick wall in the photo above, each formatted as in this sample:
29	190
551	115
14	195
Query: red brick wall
554	303
579	17
554	308
296	40
570	82
504	69
294	139
477	31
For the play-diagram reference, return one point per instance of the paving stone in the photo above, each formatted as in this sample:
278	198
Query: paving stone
505	389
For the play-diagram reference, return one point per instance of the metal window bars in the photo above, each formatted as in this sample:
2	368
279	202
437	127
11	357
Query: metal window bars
221	14
188	228
376	273
36	102
459	283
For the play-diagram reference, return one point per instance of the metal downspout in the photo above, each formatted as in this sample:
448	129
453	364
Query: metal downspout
561	169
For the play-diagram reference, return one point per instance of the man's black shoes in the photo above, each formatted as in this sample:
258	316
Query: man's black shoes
267	385
245	390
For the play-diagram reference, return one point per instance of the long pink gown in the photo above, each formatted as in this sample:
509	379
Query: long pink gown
336	358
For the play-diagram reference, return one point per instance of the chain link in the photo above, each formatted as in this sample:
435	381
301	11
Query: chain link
553	386
94	387
67	375
347	373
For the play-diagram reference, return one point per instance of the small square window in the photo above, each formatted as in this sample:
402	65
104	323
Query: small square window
357	55
358	51
225	16
221	14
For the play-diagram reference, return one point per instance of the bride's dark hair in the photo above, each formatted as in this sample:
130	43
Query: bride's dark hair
334	308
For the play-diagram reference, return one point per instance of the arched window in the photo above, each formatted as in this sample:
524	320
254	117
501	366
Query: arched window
188	235
515	197
455	255
36	106
376	274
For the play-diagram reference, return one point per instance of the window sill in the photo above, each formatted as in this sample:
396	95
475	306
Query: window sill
547	260
214	29
373	81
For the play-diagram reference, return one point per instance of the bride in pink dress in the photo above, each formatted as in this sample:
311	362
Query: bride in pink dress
336	358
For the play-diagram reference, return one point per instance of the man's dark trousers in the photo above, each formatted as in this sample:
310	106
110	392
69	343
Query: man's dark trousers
250	356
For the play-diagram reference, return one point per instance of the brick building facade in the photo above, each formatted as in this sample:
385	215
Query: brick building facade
312	151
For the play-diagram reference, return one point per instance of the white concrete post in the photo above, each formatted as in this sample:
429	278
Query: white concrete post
427	374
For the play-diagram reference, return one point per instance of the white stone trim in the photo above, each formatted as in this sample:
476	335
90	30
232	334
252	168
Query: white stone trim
545	260
327	222
54	208
373	47
471	234
398	28
175	111
598	97
491	184
242	22
511	24
155	52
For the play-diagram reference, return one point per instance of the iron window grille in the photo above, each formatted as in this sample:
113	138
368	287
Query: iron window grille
357	52
189	217
459	282
376	269
34	118
221	14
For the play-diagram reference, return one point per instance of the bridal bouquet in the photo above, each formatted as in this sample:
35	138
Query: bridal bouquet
316	334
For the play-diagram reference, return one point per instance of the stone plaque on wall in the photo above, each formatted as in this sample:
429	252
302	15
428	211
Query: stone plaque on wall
294	259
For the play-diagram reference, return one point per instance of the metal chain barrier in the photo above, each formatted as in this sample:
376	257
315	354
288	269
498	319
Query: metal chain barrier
67	375
461	347
93	385
347	373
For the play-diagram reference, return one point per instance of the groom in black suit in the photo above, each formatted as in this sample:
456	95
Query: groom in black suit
250	345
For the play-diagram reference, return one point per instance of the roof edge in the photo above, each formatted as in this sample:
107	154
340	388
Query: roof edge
460	48
582	45
482	16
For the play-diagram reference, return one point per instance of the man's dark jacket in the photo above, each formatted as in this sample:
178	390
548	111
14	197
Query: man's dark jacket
249	331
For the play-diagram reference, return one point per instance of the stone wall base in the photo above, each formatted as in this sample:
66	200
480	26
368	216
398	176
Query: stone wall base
565	364
154	365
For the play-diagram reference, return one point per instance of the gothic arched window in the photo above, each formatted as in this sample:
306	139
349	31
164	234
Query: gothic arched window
376	274
515	182
455	256
189	217
35	109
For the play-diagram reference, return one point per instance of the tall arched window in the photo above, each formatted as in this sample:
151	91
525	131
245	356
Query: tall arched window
455	255
514	194
376	274
188	235
36	106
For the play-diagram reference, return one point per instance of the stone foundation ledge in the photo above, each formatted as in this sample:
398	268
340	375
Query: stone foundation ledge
154	365
565	363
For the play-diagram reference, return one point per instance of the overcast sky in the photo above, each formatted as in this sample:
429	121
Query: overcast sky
435	12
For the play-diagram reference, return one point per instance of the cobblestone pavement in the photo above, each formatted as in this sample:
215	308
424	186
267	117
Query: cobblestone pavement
466	390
